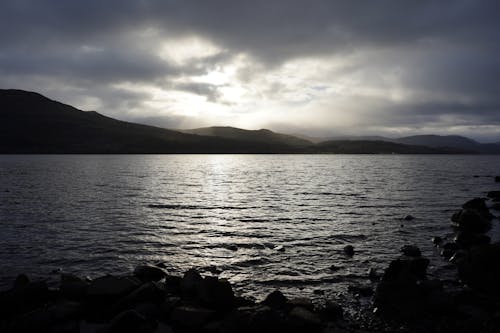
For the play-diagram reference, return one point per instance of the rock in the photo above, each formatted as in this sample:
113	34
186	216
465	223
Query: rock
406	269
349	250
193	317
173	284
447	253
23	298
480	269
495	206
275	300
477	204
191	283
149	292
302	302
112	286
216	293
303	320
38	320
332	311
147	273
334	268
411	251
280	248
471	221
131	321
21	281
437	240
373	274
408	218
72	287
466	240
497	179
65	310
493	194
360	290
457	256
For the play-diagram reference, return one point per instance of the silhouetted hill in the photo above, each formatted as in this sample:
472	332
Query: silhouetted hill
262	135
32	123
380	147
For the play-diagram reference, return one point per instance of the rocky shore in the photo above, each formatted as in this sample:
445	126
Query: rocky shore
406	298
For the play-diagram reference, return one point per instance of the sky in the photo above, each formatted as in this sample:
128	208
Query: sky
313	67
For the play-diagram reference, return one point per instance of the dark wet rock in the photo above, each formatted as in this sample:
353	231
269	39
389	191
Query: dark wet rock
112	286
408	218
23	298
466	239
477	204
303	320
451	246
497	179
38	320
360	290
275	300
188	316
411	251
169	303
72	287
150	292
151	311
280	248
437	240
471	221
318	292
173	284
131	321
493	194
303	302
216	293
332	311
65	310
457	256
266	319
495	206
349	250
21	281
373	274
147	273
447	253
399	293
334	268
480	269
191	283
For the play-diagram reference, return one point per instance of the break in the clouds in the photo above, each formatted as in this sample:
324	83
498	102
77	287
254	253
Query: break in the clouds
327	67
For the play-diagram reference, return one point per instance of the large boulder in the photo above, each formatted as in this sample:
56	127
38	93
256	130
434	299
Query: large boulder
411	251
480	269
471	221
216	293
147	273
72	287
493	194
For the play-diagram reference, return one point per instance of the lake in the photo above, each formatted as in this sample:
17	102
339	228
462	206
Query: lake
261	221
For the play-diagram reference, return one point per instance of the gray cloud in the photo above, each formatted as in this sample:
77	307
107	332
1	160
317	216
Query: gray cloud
444	55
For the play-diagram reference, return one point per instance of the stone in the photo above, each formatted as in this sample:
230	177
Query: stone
407	270
349	250
497	179
21	281
173	284
476	204
436	240
471	221
72	287
332	310
38	320
411	251
275	300
479	269
191	283
408	218
131	321
193	317
65	310
360	290
112	286
147	273
493	194
302	302
149	292
466	239
373	274
216	293
303	320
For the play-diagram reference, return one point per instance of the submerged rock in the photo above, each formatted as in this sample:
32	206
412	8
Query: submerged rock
349	250
275	300
471	221
497	179
411	251
437	240
493	194
408	218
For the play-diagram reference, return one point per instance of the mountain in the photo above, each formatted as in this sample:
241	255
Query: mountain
262	135
380	147
32	123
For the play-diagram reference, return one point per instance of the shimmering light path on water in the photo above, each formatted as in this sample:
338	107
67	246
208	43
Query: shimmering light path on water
229	214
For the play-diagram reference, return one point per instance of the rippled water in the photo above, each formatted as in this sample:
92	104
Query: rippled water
230	214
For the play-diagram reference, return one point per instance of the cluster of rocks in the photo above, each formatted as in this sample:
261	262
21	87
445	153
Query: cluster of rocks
150	300
407	296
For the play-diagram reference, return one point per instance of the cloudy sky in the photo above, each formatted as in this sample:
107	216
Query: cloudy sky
387	67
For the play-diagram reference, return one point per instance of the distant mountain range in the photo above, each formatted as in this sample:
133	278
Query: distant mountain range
32	123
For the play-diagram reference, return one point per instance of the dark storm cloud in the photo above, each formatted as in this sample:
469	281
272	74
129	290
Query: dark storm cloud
448	51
